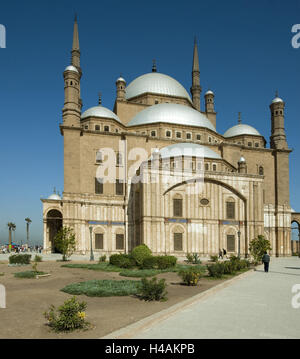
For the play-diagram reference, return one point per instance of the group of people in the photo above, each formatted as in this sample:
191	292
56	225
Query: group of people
222	253
20	249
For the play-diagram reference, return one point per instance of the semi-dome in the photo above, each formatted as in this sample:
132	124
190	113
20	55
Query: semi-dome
100	111
171	113
241	129
188	149
55	196
71	68
156	83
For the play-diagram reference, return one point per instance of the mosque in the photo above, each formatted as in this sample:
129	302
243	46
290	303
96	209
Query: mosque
156	171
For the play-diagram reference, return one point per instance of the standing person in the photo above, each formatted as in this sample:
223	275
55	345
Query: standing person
224	252
220	254
266	261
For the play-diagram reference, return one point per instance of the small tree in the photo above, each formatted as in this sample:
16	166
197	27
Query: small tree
65	242
258	247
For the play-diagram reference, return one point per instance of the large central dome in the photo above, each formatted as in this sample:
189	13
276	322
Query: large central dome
171	113
156	83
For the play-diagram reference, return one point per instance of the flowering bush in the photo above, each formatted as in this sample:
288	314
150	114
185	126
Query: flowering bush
70	316
190	276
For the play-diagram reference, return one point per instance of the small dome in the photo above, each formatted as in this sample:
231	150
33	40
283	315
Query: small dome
209	92
71	68
241	129
156	83
242	160
100	111
55	196
120	79
188	149
277	99
171	113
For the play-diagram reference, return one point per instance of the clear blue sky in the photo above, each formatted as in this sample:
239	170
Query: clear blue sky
245	54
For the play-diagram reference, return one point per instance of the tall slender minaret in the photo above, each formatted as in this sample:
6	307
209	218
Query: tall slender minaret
278	137
71	128
196	88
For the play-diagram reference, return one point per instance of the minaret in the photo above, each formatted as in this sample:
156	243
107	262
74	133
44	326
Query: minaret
196	88
121	85
72	76
242	166
278	137
210	106
71	128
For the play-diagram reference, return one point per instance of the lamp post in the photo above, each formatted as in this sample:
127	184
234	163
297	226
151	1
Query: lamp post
239	244
91	244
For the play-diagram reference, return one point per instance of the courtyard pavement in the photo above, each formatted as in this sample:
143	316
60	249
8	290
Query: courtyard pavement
258	305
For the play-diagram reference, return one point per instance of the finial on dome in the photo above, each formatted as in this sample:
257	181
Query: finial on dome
100	100
239	118
154	69
276	93
75	17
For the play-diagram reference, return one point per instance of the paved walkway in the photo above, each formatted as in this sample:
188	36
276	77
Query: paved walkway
255	306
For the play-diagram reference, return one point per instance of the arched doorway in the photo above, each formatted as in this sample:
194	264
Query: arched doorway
54	224
295	237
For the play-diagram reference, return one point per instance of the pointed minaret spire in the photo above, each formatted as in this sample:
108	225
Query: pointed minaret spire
195	57
196	88
75	48
100	100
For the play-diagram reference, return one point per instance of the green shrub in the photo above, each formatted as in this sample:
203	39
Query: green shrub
152	289
189	258
102	259
214	259
229	267
38	258
149	263
122	260
103	288
28	274
70	316
164	262
141	252
190	276
139	273
19	259
216	270
196	259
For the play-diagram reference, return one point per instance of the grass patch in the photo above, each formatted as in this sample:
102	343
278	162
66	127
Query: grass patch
28	274
103	288
227	276
141	273
105	267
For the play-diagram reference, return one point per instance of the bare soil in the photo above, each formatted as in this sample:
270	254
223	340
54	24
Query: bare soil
28	299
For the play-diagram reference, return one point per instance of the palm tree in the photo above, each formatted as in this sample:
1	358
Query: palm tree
28	221
14	230
10	226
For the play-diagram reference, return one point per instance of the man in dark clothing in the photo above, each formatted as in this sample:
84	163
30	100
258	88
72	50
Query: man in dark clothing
266	261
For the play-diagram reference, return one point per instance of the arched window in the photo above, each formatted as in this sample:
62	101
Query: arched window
168	133
106	128
97	128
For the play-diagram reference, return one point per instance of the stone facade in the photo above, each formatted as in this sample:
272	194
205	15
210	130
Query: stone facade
225	205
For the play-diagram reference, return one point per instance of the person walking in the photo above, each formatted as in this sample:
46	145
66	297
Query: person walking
220	254
266	261
224	252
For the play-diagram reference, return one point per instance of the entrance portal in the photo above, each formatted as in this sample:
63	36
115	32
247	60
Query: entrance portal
54	224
